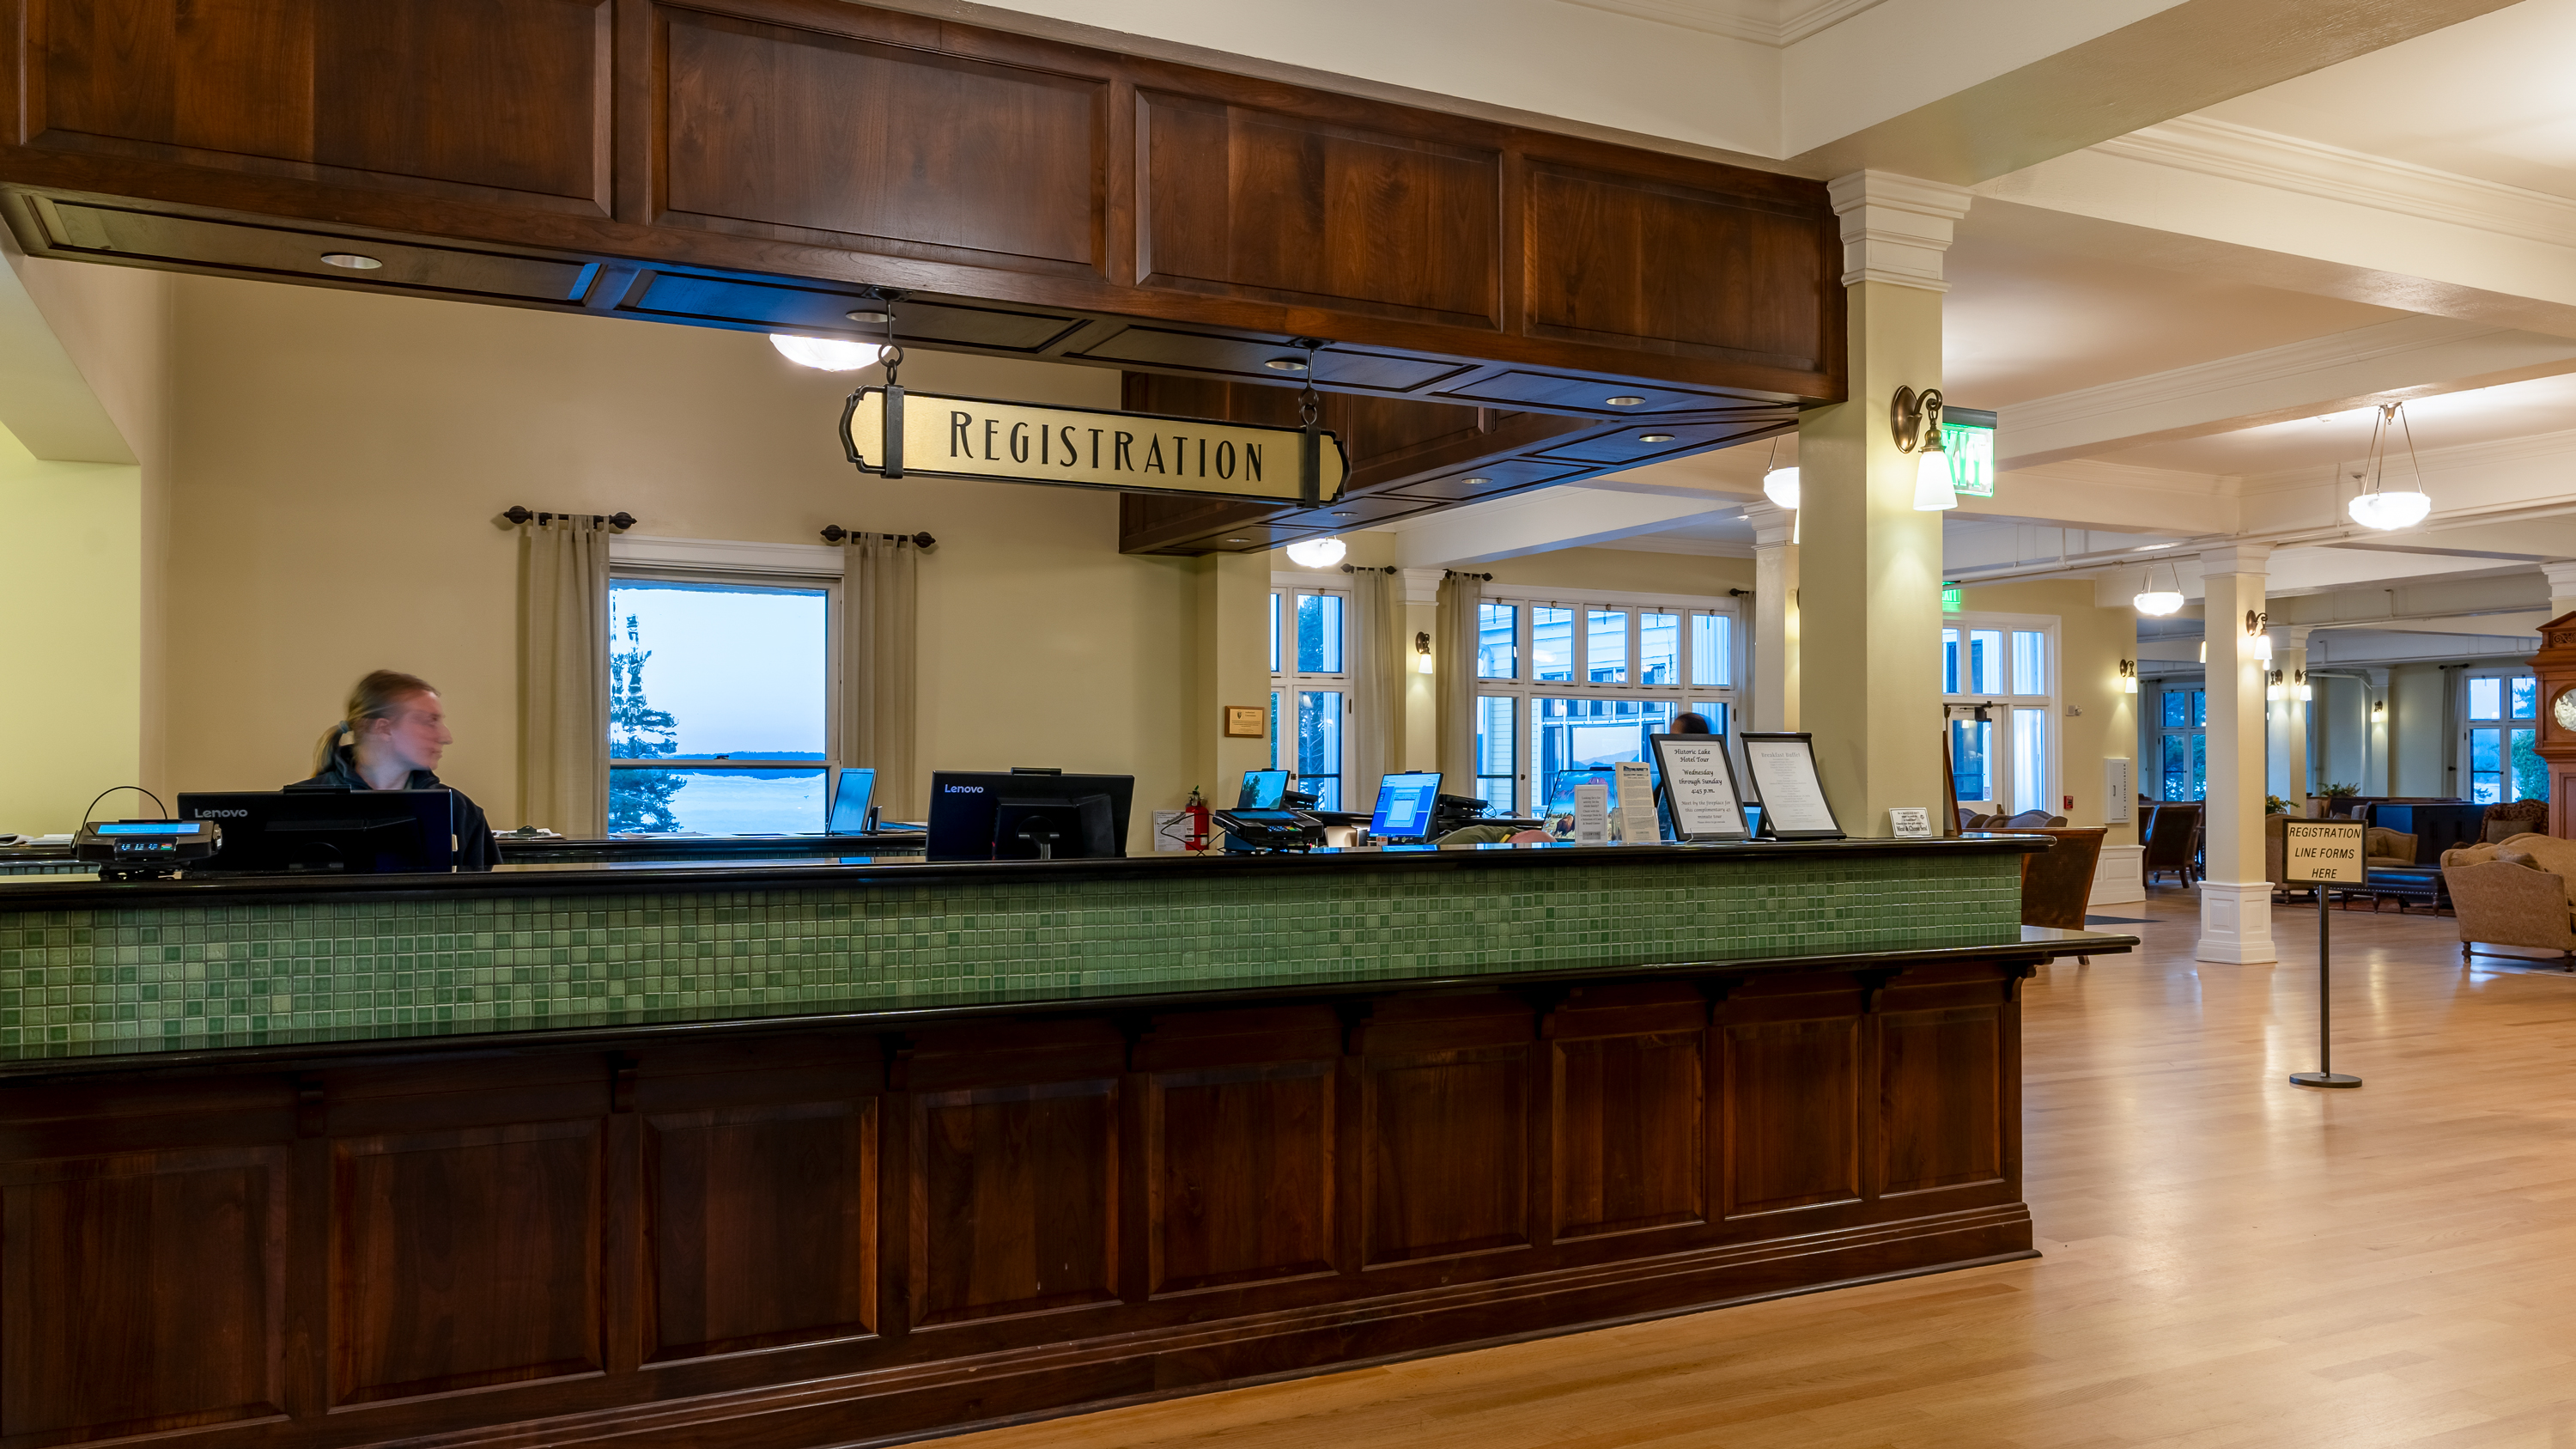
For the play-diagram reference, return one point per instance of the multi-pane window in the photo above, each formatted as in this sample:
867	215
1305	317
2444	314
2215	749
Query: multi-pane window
1310	687
1572	684
2182	742
1998	677
2502	714
718	706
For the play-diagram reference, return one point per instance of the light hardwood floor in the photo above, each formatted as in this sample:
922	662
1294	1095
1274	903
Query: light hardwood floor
2230	1260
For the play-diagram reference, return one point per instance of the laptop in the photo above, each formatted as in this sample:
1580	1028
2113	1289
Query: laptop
1404	805
850	797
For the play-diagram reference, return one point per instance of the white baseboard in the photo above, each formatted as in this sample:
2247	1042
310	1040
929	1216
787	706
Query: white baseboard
2119	876
2235	922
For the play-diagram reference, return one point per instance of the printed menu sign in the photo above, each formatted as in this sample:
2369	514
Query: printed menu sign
1699	782
1783	768
1637	822
1592	815
2322	852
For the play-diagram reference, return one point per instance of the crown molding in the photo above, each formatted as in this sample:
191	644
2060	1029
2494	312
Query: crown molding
2459	457
1775	23
1657	543
2232	152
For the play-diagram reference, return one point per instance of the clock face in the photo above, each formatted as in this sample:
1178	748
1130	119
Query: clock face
2565	709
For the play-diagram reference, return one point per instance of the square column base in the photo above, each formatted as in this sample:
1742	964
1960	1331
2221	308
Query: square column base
2235	923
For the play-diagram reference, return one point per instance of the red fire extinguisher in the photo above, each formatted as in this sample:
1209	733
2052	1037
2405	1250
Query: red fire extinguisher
1197	812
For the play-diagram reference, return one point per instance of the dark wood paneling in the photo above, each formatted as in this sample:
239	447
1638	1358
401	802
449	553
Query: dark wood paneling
761	1227
1793	1128
793	128
1941	1098
479	97
465	1258
288	255
1624	261
1444	1124
1242	1172
141	1293
1629	1133
1251	203
1014	1200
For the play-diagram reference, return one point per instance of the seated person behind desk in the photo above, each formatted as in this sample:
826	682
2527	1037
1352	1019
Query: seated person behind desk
390	737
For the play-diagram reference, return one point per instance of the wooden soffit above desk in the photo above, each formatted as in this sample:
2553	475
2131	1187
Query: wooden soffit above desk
758	164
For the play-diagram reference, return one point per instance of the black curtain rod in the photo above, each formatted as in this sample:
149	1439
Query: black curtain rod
1371	569
1463	574
621	521
834	533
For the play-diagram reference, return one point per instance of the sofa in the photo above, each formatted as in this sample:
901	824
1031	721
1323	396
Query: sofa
2515	892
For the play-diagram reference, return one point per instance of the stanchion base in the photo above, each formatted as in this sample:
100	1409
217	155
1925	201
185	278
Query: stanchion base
2324	1079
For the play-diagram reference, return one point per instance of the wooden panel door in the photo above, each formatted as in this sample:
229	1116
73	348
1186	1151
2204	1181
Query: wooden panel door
881	146
465	1258
760	1227
1014	1200
142	1293
1792	1132
1941	1098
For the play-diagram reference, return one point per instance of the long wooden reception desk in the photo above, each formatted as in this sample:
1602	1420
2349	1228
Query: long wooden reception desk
831	1153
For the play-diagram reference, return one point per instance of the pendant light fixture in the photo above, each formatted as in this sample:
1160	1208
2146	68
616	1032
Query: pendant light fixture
2160	602
2379	506
1316	553
830	354
1915	421
1779	484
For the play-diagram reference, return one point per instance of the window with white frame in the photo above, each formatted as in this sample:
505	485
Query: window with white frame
1580	680
2500	711
720	702
1310	689
1999	681
2182	740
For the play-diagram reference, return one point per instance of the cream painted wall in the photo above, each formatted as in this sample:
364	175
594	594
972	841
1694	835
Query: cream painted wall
1627	571
340	459
71	634
2091	642
2419	753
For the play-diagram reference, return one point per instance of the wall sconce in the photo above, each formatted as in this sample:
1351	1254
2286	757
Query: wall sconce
2300	689
2378	707
1915	421
2204	651
2257	645
1421	653
2272	686
2128	676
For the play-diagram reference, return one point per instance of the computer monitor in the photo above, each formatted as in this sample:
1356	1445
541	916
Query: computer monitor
347	832
850	799
1404	805
1016	816
1263	790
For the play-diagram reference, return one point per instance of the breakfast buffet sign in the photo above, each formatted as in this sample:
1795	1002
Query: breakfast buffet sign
898	433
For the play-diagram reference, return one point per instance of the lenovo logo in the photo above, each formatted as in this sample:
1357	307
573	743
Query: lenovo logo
223	815
961	789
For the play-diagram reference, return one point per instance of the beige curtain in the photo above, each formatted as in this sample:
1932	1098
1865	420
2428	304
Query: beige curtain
563	676
1453	651
1376	665
879	589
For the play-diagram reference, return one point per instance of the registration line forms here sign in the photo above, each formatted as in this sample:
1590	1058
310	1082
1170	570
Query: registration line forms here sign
2323	852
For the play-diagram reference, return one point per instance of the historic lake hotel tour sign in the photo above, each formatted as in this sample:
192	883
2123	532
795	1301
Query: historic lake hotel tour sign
898	433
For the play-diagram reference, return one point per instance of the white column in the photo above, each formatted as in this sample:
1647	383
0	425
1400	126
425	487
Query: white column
2286	719
2235	899
2562	587
1775	616
1873	701
2374	712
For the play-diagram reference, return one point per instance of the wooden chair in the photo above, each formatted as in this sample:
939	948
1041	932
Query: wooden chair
2057	883
2173	840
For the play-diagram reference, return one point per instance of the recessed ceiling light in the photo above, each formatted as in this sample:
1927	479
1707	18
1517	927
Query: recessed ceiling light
1238	540
1338	513
352	261
1286	364
1654	437
1624	401
1475	480
866	315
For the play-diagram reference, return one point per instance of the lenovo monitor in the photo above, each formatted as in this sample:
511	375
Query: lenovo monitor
1404	805
345	832
1023	816
850	797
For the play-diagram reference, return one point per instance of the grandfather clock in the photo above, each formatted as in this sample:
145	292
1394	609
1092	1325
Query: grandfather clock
2556	666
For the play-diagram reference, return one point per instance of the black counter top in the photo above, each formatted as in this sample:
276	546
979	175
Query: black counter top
831	873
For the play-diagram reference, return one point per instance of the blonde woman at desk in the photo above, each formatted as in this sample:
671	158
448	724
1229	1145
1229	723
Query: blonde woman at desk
390	736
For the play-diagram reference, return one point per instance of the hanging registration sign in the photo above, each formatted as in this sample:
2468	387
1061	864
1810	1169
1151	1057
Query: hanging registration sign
899	433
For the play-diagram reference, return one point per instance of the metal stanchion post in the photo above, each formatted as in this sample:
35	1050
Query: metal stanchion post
2325	1075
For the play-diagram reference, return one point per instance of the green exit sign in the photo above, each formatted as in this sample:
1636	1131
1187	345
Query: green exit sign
1968	436
1950	601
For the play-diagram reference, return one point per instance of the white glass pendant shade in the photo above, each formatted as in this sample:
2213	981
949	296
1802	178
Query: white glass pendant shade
830	354
1932	490
1316	553
2158	602
2389	510
1780	485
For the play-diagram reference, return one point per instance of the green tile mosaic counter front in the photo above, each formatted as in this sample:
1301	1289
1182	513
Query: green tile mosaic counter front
170	972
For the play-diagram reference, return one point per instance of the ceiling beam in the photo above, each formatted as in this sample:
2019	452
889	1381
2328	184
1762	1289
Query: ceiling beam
1545	521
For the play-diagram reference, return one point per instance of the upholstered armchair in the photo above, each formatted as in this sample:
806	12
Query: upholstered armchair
2512	818
2514	892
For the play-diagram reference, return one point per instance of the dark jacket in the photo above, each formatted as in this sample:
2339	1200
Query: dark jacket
474	847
